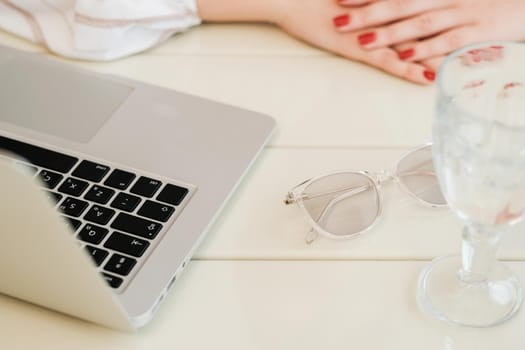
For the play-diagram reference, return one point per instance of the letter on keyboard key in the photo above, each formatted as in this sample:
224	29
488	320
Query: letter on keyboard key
92	233
98	255
99	194
120	264
99	215
119	179
73	207
126	244
125	201
90	171
137	226
145	187
49	178
156	211
73	187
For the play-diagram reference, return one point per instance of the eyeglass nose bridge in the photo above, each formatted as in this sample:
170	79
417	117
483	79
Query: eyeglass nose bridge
384	176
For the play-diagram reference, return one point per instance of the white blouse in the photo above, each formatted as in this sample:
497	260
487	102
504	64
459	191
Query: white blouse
97	29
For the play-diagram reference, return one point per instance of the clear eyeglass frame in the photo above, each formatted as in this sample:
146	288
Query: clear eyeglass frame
375	181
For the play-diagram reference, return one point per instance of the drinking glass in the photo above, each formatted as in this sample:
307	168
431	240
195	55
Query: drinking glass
479	158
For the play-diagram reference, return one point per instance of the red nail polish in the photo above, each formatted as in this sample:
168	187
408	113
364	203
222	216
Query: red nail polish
405	55
342	20
430	75
367	38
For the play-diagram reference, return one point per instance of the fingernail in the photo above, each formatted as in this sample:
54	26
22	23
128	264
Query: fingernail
430	75
367	38
342	20
405	55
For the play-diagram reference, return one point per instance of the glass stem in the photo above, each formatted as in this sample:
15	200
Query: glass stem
478	254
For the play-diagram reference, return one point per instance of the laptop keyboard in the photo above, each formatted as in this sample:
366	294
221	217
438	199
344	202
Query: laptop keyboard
118	215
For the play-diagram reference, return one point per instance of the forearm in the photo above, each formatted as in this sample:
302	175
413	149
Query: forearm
238	10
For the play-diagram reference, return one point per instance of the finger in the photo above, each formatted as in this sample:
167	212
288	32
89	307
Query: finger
433	64
404	45
386	11
421	26
444	43
355	2
386	59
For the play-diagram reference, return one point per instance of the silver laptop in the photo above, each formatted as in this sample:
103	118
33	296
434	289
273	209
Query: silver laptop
108	185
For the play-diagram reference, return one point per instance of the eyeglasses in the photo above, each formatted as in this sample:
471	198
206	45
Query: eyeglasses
344	204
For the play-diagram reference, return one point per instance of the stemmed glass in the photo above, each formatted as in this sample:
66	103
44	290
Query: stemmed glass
479	157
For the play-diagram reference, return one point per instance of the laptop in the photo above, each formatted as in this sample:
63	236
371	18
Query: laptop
108	185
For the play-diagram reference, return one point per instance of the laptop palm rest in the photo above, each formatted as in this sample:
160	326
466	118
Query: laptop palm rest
61	101
40	260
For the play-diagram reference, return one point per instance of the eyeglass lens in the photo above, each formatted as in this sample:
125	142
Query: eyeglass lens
416	172
342	204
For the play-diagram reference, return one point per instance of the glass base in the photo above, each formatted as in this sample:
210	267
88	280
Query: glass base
481	304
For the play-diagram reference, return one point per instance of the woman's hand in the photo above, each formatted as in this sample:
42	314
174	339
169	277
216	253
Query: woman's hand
311	21
306	20
432	28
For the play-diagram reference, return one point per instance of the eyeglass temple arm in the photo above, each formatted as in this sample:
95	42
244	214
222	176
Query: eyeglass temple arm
351	192
290	196
339	198
421	172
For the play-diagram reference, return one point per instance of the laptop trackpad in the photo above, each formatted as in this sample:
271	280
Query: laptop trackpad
44	96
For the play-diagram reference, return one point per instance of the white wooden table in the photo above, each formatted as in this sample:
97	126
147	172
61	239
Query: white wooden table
254	283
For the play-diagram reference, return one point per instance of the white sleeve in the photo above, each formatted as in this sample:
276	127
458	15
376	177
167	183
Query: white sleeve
97	29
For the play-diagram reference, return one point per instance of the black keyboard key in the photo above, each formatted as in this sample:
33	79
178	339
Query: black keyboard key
126	202
120	264
74	224
92	233
99	215
90	171
113	281
126	244
172	194
146	187
73	187
73	207
49	178
156	211
99	194
120	179
98	255
137	226
53	196
39	156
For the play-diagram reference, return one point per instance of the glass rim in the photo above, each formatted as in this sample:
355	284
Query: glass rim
473	116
